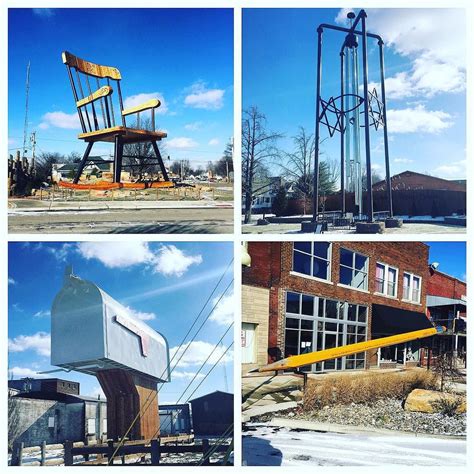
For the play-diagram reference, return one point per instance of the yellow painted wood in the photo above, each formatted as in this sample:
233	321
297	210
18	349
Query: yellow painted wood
150	104
128	134
301	360
92	69
102	92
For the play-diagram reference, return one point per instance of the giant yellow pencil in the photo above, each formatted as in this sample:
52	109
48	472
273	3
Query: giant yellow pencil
293	362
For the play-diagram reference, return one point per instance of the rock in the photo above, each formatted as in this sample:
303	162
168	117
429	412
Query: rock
429	401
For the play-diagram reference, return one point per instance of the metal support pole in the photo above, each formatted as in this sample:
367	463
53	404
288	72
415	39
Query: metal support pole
83	162
316	134
370	206
388	179
343	158
118	152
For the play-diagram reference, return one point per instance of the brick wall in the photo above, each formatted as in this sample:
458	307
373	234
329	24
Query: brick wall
266	256
440	284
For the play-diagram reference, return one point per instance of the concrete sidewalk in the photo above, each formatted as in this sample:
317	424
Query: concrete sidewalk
21	206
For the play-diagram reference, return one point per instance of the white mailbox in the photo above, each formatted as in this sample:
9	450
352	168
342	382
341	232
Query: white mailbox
90	331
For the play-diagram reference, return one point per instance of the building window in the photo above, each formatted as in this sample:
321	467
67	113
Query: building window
313	259
411	287
314	324
386	279
248	343
353	269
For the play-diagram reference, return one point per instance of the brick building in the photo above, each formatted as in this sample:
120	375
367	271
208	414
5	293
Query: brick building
410	180
305	296
446	306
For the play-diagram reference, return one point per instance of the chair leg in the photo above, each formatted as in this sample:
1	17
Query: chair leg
162	165
83	162
118	155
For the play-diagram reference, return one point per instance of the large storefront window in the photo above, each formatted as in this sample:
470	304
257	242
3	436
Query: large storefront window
314	324
313	259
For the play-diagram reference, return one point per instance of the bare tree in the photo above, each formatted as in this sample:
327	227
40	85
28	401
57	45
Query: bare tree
137	156
299	166
258	148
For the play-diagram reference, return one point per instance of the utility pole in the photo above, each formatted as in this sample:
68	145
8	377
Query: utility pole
25	128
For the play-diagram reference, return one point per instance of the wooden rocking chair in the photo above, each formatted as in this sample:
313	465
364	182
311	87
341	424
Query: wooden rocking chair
103	128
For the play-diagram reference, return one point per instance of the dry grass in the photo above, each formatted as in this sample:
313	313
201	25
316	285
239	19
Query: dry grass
366	388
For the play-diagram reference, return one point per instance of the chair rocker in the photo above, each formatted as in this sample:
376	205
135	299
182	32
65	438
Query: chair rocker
103	128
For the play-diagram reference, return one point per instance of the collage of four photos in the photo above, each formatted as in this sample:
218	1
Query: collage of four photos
237	236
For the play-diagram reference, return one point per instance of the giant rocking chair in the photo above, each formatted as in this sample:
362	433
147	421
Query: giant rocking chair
103	128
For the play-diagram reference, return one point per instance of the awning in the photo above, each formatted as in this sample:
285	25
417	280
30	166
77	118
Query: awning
432	301
388	321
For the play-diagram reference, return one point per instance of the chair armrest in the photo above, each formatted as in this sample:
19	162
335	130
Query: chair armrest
150	104
99	93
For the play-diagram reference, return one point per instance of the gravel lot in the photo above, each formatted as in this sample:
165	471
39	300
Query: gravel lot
387	414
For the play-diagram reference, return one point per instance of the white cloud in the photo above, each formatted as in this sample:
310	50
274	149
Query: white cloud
60	120
142	316
194	126
198	352
11	141
437	53
170	260
44	12
62	252
22	372
44	313
11	281
456	169
418	119
181	143
214	141
202	98
182	374
39	342
138	99
402	160
376	167
117	254
224	312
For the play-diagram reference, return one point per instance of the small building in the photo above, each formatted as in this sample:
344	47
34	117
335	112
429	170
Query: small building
213	413
96	166
175	419
301	297
447	306
52	410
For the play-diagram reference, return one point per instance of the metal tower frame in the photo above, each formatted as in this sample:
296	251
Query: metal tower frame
374	110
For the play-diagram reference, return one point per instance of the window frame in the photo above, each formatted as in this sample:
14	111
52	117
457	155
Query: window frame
385	280
342	331
410	299
353	269
313	256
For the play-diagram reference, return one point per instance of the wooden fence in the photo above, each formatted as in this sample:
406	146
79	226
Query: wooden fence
103	452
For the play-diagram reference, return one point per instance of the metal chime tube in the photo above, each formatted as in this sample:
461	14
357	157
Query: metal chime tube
352	132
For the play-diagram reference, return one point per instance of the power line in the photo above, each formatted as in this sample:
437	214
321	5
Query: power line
149	401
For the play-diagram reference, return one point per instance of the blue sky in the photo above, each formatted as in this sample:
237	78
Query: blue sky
182	56
164	285
451	257
425	80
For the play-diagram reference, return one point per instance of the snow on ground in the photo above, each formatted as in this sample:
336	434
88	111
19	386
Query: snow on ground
269	446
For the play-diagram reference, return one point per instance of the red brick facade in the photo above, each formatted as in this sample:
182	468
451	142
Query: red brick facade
440	284
272	265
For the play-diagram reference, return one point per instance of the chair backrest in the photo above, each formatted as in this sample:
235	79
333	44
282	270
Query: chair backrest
81	74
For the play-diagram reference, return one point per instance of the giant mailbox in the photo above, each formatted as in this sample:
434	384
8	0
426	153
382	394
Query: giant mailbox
94	334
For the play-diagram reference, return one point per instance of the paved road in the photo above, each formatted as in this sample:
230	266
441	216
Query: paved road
273	446
202	220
